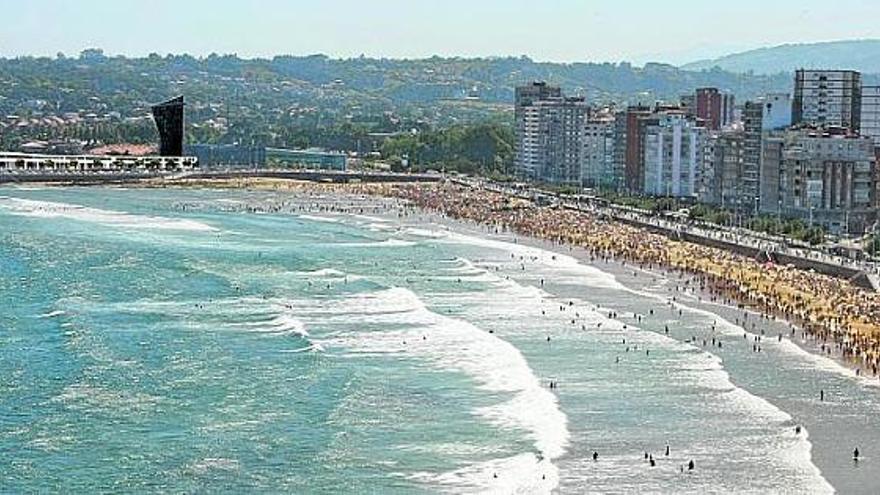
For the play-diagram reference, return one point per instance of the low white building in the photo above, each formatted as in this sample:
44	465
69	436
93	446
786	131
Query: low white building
32	164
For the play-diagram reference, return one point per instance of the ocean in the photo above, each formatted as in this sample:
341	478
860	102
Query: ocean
225	341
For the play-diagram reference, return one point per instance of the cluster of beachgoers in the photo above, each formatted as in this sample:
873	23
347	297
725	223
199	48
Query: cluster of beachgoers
841	316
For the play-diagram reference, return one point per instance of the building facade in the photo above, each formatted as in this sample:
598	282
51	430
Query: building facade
776	111
824	178
635	120
529	149
598	170
707	182
24	164
773	145
749	194
729	151
673	154
313	158
550	131
871	113
214	156
828	98
170	124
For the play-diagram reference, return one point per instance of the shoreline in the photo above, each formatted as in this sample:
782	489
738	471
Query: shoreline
623	274
821	434
398	209
717	290
773	291
701	299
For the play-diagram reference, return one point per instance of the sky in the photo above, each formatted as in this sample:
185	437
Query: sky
638	31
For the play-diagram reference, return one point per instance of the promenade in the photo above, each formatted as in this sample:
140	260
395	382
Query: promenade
766	247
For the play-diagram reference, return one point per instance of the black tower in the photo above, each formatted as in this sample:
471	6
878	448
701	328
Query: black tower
169	122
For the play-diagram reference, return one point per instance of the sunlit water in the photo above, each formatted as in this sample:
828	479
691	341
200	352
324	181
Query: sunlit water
152	341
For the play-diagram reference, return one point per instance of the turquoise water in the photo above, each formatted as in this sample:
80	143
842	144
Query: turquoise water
223	341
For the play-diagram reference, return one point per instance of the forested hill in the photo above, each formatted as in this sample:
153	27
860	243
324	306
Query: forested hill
861	55
93	82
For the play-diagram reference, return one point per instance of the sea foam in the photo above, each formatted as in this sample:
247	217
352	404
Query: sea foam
47	209
494	364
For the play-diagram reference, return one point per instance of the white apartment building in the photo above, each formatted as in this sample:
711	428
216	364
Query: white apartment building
597	170
776	111
673	156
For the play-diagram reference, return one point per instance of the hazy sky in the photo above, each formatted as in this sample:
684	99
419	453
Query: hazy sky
673	31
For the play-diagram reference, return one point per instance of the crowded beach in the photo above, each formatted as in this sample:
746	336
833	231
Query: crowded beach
841	318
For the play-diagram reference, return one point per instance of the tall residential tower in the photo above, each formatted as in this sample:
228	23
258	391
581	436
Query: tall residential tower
828	98
550	130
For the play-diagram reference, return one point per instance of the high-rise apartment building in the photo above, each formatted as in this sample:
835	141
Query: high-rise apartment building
708	189
749	193
673	154
598	169
549	134
729	160
773	146
828	98
630	145
529	148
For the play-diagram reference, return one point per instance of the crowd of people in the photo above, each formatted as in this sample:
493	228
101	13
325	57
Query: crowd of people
841	316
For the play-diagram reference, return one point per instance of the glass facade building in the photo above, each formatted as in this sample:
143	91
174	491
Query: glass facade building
232	156
169	122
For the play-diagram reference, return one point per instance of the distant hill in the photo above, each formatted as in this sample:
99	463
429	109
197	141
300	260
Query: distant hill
861	55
